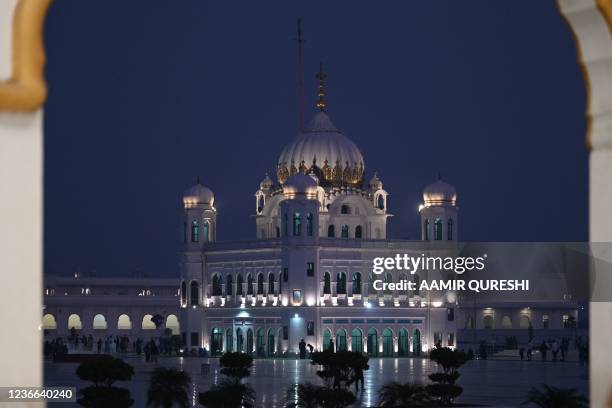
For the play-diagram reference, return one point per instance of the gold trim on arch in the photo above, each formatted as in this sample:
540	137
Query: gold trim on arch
26	90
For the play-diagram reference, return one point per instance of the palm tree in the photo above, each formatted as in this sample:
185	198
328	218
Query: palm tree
168	387
229	393
395	395
303	396
553	397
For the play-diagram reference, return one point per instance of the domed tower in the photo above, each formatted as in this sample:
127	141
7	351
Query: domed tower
200	217
299	212
347	208
439	212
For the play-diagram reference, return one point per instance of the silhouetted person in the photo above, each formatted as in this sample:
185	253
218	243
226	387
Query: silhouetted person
302	347
358	378
543	350
331	346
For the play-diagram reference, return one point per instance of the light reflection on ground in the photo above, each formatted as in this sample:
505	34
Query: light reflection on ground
491	383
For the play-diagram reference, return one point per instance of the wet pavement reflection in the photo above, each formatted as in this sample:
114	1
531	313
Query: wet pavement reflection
488	382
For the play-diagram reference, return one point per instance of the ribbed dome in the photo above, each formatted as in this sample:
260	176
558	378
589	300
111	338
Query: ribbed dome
300	184
198	194
440	193
333	157
266	182
375	182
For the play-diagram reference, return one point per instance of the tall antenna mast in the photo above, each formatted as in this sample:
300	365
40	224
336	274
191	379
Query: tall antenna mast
300	74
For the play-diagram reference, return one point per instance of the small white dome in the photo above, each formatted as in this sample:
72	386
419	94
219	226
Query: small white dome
266	183
440	193
300	184
375	182
198	194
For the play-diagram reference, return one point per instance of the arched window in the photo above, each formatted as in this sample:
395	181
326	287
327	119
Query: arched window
172	323
326	339
345	231
469	324
358	231
194	293
48	322
216	341
506	322
195	231
239	285
388	279
99	322
249	342
124	322
261	343
326	283
260	203
216	285
74	322
297	224
229	290
271	343
309	224
260	284
183	293
381	202
387	342
402	343
206	231
487	322
147	323
372	342
438	229
229	340
331	231
271	283
341	340
426	229
341	288
356	341
249	284
345	209
449	229
416	343
277	232
524	322
356	283
239	340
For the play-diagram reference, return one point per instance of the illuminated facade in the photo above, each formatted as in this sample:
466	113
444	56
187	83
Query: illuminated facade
308	273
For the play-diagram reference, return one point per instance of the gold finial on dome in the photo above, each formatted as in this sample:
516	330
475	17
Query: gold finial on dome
321	104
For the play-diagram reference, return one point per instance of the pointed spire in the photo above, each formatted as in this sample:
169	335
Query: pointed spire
321	104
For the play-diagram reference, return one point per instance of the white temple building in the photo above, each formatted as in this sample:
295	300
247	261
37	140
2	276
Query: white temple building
307	274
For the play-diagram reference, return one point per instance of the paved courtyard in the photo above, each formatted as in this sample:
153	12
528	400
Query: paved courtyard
492	383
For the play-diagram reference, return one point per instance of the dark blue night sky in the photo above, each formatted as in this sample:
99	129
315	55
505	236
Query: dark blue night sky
147	95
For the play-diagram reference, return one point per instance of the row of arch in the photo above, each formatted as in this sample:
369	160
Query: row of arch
260	342
437	230
373	349
99	322
272	285
195	234
345	231
297	225
488	322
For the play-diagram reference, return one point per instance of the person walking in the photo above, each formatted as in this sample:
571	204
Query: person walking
331	347
358	378
302	347
543	350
